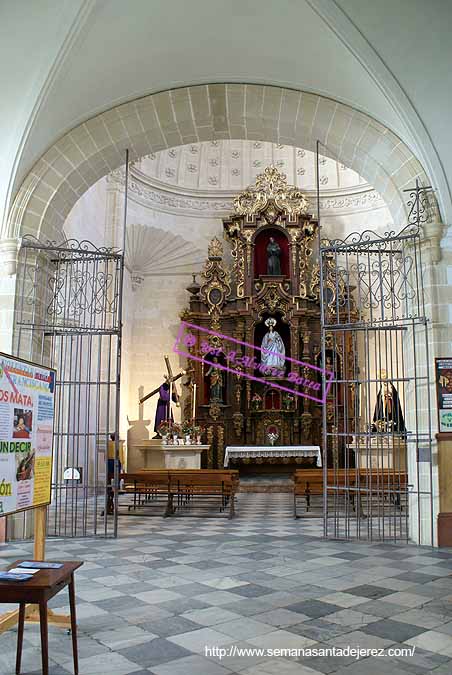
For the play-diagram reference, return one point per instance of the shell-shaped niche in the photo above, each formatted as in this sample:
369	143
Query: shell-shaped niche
152	251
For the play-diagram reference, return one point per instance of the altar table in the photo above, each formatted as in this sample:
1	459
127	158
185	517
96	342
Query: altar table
282	451
183	456
382	452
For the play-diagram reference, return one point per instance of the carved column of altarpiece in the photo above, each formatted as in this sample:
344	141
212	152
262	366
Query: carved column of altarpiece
236	296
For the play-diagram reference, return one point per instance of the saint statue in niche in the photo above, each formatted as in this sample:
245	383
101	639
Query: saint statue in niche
273	350
216	382
388	414
273	258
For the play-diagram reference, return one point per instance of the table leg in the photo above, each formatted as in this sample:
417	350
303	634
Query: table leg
44	637
20	636
73	623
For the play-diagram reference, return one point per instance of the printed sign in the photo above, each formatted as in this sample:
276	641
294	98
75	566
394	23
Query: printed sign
444	393
27	393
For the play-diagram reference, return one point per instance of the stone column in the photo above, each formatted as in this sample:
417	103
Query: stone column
440	293
437	261
8	266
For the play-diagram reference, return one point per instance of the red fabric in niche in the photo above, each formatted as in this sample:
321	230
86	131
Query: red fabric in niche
260	252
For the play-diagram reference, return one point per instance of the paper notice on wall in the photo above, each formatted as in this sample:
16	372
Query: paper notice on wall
26	433
43	468
444	393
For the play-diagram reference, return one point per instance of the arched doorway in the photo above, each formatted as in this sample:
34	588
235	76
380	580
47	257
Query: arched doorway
64	173
208	112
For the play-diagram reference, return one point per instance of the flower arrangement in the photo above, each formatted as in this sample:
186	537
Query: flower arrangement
164	428
288	401
187	427
256	401
198	431
176	429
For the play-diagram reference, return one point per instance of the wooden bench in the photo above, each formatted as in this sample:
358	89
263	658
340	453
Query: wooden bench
186	485
181	487
351	483
309	482
146	487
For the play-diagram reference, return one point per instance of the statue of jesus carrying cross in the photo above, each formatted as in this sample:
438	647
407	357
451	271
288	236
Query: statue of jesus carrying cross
167	392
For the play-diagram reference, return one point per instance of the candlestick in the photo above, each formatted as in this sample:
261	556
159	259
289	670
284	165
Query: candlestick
194	402
170	399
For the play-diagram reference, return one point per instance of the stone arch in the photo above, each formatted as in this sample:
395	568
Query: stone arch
208	112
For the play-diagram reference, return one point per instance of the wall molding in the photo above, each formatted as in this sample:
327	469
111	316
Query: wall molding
155	194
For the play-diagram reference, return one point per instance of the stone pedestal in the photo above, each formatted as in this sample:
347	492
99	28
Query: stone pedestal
383	453
146	454
183	456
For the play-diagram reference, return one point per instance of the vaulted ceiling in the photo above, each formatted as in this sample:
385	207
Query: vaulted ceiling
64	62
233	165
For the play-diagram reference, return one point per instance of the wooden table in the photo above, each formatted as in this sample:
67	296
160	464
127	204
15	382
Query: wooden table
38	590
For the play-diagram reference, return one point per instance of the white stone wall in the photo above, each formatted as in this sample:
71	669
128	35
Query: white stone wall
87	220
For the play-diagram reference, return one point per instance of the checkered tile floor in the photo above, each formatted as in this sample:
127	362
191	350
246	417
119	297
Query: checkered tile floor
152	600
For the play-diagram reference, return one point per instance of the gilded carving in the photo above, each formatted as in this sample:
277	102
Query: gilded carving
238	256
330	410
264	424
237	420
215	248
306	337
215	287
215	411
210	450
272	299
248	234
239	332
306	421
271	188
295	236
232	301
220	446
335	447
215	341
314	289
238	387
185	315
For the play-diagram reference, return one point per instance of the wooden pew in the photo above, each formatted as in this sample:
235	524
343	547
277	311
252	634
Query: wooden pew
180	487
186	485
146	488
309	482
383	483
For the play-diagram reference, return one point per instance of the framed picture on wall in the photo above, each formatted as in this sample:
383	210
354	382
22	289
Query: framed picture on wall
443	378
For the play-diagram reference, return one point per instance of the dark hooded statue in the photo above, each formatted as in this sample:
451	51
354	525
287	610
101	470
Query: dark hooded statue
388	411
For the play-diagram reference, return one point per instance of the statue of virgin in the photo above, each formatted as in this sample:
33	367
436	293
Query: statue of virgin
273	350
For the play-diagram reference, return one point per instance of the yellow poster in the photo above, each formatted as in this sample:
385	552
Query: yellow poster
43	477
27	393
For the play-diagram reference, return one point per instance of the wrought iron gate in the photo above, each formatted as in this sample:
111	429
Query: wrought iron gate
68	316
377	419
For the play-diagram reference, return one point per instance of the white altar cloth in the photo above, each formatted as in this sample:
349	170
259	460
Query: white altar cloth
240	451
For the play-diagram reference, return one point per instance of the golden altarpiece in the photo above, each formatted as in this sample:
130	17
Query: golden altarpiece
237	295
